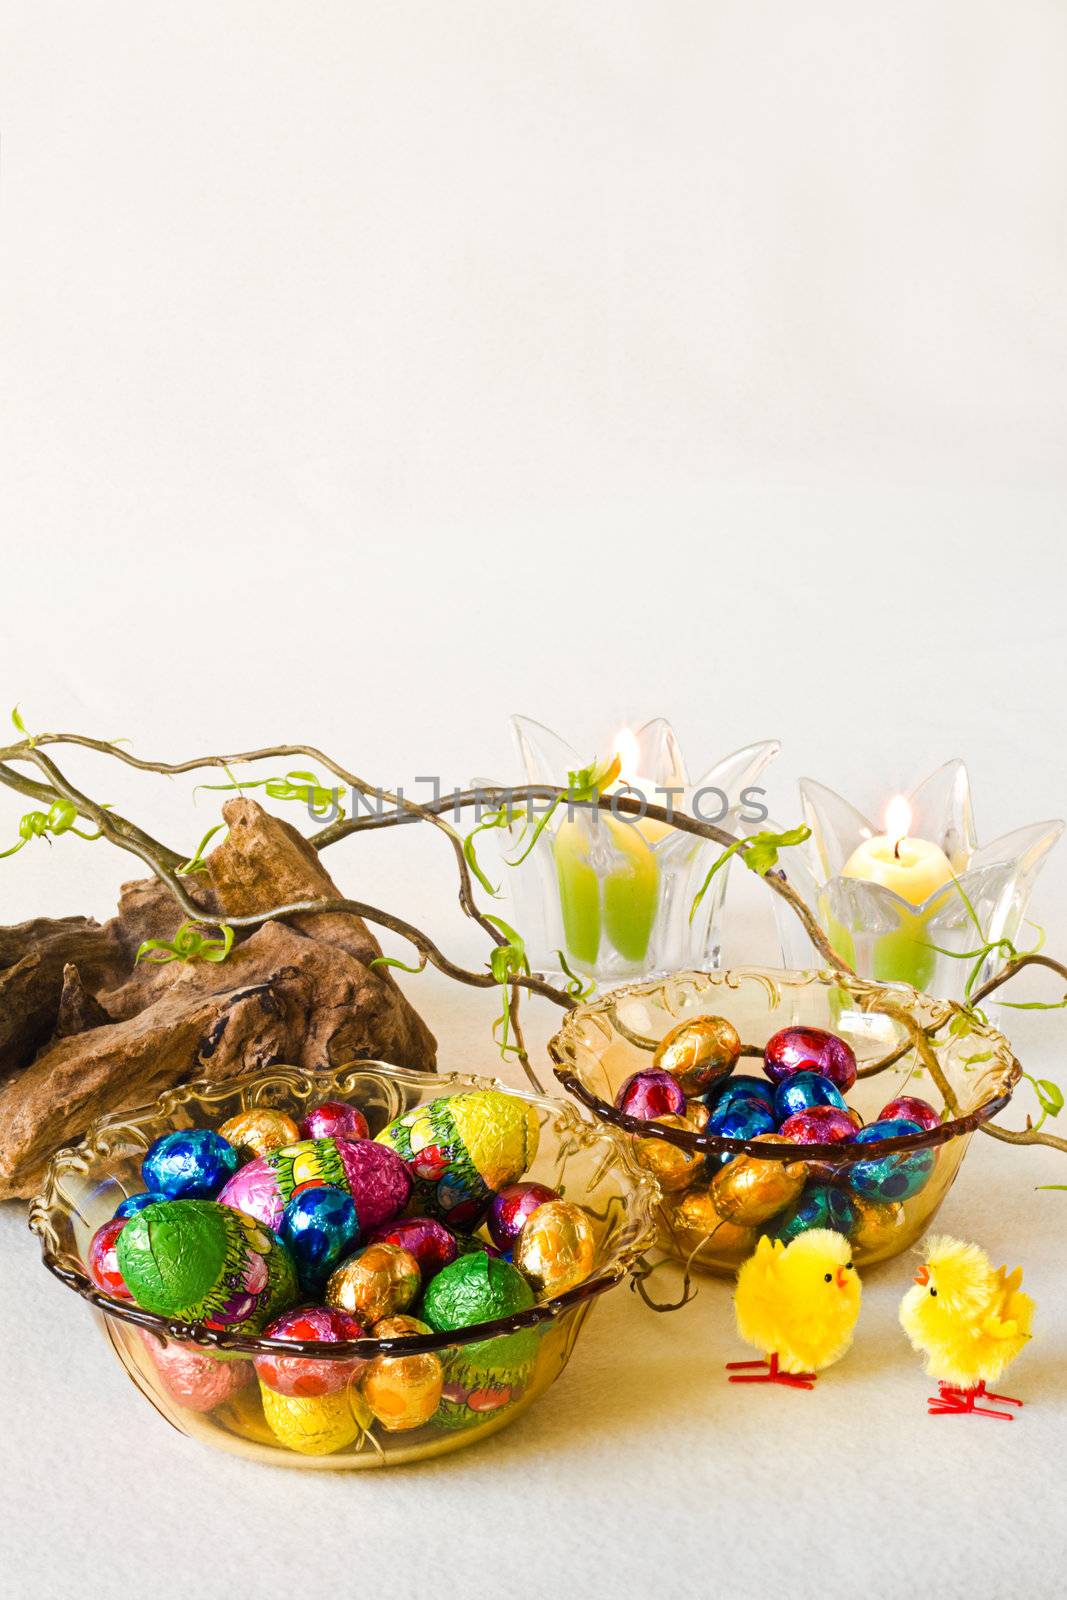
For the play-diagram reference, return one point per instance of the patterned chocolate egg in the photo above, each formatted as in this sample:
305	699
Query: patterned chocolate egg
378	1281
315	1425
510	1209
428	1240
803	1091
896	1176
674	1166
403	1392
137	1202
462	1149
699	1052
810	1050
556	1249
195	1378
197	1261
258	1131
475	1289
334	1117
751	1190
819	1206
318	1228
910	1108
741	1119
190	1164
102	1259
482	1380
877	1224
651	1094
743	1086
375	1177
308	1375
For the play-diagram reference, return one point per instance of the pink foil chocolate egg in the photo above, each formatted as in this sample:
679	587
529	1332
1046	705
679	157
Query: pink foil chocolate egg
333	1117
193	1378
910	1108
651	1094
102	1260
819	1125
304	1375
511	1207
428	1240
371	1173
810	1050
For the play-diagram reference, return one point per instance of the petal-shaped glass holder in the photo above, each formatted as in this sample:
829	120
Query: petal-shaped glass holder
203	1381
886	938
612	894
902	1044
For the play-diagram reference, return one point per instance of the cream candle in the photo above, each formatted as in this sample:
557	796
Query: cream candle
913	868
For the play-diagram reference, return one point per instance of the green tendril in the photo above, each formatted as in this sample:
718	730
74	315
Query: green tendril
304	786
759	853
196	862
507	961
394	961
60	818
574	986
188	944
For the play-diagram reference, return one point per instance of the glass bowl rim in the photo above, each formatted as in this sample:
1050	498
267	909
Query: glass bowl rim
639	1201
562	1051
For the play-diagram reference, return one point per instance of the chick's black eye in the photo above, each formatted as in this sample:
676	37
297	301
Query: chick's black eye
829	1278
848	1266
934	1293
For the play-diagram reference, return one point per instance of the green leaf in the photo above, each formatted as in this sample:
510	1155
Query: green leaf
587	784
759	853
394	961
188	944
16	717
1038	1186
196	862
1049	1094
470	855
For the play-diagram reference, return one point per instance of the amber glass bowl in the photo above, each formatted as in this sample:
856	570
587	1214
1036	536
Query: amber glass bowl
204	1382
904	1042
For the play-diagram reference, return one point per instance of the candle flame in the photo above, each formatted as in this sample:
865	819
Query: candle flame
628	751
897	819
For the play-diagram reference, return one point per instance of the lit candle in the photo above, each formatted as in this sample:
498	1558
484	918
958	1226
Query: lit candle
914	869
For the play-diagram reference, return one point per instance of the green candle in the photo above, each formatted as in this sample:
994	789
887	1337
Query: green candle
618	904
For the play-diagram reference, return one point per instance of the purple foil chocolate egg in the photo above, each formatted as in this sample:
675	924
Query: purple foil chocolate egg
810	1050
511	1207
428	1240
372	1174
334	1118
910	1108
651	1094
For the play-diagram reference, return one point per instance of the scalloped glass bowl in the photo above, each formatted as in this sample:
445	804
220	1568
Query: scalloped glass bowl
968	1076
499	1369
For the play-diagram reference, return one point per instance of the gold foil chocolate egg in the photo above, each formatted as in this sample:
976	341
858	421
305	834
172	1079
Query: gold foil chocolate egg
751	1190
674	1167
557	1247
315	1425
258	1131
695	1214
699	1052
403	1392
877	1224
376	1282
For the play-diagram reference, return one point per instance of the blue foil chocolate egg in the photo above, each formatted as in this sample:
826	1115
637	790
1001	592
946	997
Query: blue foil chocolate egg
741	1087
896	1176
320	1228
802	1091
137	1202
192	1164
819	1206
741	1119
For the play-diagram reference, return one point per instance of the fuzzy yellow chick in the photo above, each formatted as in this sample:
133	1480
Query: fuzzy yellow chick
798	1303
969	1321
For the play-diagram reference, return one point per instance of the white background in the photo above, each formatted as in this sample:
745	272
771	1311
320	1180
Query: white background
373	371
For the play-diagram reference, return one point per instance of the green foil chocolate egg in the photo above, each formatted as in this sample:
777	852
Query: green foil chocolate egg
475	1288
198	1261
461	1149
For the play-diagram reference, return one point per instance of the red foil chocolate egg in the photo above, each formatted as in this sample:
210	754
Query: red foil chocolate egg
103	1262
909	1108
512	1206
193	1378
304	1375
651	1094
426	1239
819	1125
333	1117
810	1050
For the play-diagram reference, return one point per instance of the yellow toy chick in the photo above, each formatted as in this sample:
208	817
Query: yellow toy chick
970	1323
798	1303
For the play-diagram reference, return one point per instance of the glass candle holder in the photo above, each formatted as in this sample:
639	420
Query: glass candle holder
608	896
957	896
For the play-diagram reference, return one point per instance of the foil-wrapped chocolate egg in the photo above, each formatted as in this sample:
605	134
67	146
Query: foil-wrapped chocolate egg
694	1213
197	1261
877	1224
896	1176
463	1149
699	1052
743	1086
475	1288
510	1209
650	1095
673	1165
319	1228
258	1131
804	1090
375	1177
810	1050
189	1164
334	1117
751	1190
819	1125
137	1202
820	1206
428	1240
910	1108
102	1260
556	1249
378	1281
315	1425
310	1375
195	1378
741	1119
481	1380
403	1392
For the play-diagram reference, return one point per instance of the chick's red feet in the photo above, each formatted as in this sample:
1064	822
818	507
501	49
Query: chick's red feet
741	1372
951	1401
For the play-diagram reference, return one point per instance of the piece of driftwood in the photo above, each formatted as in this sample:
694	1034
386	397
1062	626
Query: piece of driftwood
85	1031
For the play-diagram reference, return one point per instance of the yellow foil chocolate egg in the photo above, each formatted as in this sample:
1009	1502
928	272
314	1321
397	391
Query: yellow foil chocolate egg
376	1282
750	1190
699	1052
878	1223
402	1392
674	1168
315	1425
259	1131
693	1218
557	1247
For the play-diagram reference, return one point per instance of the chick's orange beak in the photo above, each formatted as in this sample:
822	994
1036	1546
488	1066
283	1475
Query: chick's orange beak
842	1277
923	1276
